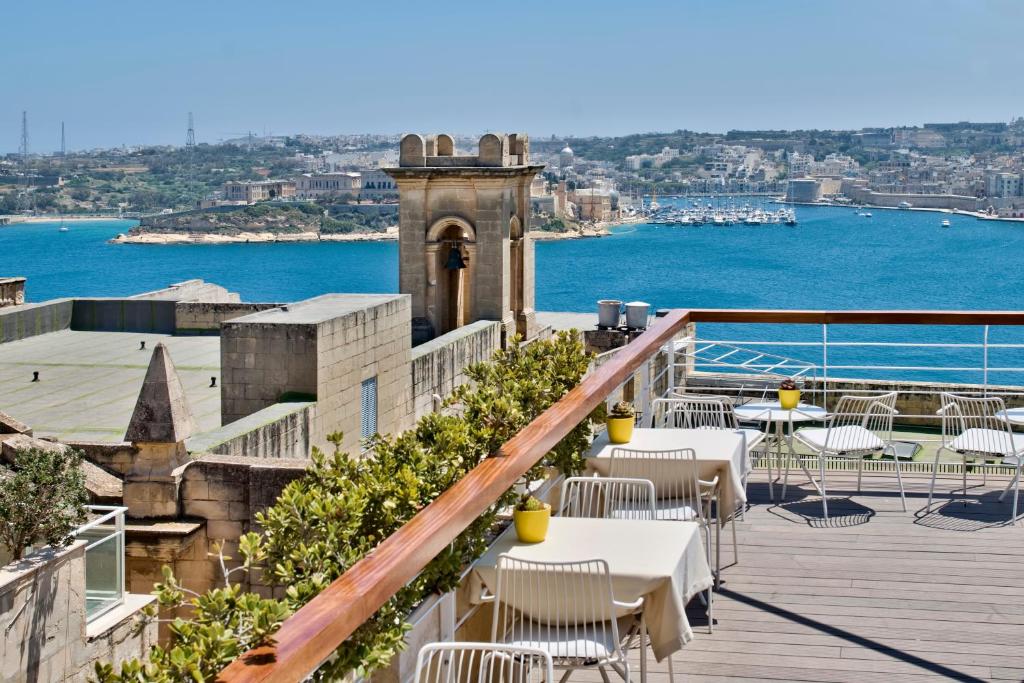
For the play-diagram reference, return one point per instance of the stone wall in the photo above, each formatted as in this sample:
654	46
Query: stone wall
191	290
858	192
278	431
12	291
202	317
439	365
322	348
42	617
31	320
124	315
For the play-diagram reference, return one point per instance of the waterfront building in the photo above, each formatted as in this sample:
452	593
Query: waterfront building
340	185
252	191
378	185
1002	184
804	190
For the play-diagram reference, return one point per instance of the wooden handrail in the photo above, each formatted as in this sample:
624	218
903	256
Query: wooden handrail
308	637
725	315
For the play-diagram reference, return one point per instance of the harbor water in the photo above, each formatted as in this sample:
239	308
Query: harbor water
834	258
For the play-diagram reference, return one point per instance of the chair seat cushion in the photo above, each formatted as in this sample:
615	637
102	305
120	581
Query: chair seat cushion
754	436
840	440
990	441
585	643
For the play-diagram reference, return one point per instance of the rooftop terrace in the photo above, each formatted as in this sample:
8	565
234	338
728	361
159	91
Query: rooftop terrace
874	594
89	381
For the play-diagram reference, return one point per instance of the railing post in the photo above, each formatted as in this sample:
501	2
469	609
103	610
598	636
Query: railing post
824	366
670	359
984	363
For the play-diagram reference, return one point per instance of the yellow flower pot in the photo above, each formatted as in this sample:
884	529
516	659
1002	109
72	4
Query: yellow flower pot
532	525
789	398
620	429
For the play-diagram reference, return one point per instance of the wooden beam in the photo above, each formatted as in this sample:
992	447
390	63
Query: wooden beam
308	637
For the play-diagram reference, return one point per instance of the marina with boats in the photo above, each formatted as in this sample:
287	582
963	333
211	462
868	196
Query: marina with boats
719	212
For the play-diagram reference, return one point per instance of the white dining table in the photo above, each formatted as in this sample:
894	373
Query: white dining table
662	562
772	413
719	452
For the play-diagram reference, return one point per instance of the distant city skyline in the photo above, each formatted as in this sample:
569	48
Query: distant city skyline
122	73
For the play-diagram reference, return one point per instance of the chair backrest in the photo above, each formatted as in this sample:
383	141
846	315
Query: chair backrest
873	412
693	411
974	418
482	663
675	475
567	607
607	497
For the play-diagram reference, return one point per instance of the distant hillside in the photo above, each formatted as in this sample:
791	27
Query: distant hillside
291	218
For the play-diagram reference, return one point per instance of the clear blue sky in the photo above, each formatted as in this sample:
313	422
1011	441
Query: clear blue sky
129	72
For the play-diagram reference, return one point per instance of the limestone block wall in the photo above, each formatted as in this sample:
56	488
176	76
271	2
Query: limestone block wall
259	363
31	320
123	315
323	348
439	365
191	290
278	431
368	343
42	617
202	317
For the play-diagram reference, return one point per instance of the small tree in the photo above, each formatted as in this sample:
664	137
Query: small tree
43	501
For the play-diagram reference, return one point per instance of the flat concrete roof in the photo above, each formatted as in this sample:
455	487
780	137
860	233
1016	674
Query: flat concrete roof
89	381
318	309
563	320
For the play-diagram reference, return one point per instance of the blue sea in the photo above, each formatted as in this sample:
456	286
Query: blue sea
834	259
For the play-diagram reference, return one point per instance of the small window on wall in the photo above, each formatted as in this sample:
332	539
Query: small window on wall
368	408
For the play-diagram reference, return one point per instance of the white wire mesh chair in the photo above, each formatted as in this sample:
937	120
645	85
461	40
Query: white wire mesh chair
482	663
680	494
567	609
973	429
859	427
607	498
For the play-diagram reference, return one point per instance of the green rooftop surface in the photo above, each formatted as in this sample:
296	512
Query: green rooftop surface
89	381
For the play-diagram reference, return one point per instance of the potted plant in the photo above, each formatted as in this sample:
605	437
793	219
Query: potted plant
789	394
620	422
531	518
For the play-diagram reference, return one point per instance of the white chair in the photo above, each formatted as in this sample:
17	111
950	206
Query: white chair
680	494
705	411
567	609
482	663
859	427
607	498
972	428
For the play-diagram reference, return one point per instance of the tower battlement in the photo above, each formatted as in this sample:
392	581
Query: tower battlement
438	151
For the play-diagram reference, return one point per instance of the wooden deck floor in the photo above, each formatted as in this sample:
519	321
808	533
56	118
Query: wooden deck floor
874	594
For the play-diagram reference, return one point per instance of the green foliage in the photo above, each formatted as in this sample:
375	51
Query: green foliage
43	501
529	503
622	409
344	506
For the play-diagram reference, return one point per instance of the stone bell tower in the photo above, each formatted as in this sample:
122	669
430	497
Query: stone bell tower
464	250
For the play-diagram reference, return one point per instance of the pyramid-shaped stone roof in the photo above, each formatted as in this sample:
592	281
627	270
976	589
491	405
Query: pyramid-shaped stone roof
161	414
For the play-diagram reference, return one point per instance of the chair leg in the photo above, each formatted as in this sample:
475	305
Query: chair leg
860	471
643	648
935	472
899	480
965	481
1013	482
602	671
824	495
718	551
1016	494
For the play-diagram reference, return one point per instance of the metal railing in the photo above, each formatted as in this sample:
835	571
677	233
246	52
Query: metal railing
104	559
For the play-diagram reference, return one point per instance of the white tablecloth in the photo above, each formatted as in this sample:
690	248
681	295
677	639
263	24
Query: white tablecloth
719	453
664	562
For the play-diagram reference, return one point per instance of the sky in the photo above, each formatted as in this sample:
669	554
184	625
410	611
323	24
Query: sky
126	73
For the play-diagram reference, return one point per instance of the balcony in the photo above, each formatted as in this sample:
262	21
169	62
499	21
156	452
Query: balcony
104	559
868	592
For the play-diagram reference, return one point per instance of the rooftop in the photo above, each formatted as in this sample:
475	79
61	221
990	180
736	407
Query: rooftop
318	309
90	381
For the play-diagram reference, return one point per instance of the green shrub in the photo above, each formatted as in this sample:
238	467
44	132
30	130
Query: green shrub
344	506
43	501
